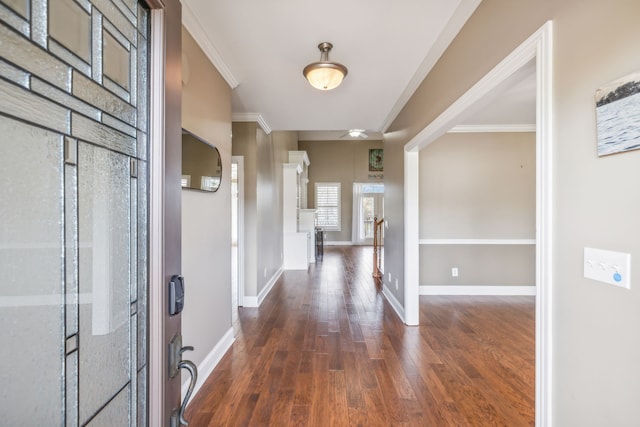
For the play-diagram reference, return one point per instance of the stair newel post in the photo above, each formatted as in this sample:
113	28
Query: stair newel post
376	243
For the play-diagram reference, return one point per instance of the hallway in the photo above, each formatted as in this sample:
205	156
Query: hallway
326	349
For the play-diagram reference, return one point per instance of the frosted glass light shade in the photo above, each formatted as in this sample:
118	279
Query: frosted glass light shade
325	75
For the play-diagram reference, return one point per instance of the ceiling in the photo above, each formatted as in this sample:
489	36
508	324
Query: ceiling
512	104
260	48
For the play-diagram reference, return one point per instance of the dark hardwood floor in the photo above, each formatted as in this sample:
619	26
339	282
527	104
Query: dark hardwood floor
326	349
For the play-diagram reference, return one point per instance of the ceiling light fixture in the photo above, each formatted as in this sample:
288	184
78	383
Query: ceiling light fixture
356	133
325	75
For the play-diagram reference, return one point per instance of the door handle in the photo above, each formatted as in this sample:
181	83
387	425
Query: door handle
193	370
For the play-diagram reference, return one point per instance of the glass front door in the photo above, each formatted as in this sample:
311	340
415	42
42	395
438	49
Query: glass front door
74	192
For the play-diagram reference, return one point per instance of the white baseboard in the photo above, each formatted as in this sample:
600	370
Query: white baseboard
208	364
265	291
397	307
478	290
253	301
338	243
250	302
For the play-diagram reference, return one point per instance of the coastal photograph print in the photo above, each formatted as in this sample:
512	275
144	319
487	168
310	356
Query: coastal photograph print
618	115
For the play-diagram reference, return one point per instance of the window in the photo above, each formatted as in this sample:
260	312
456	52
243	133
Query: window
328	205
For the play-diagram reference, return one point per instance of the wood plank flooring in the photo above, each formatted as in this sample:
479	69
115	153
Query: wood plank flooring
326	349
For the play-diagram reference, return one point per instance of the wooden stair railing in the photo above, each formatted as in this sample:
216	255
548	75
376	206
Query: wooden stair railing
377	242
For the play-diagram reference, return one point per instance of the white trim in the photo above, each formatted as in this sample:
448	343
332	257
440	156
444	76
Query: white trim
445	121
411	241
256	301
393	301
157	359
493	128
477	241
252	117
452	28
239	161
539	46
338	242
209	363
294	166
250	301
196	29
478	290
300	157
544	226
270	284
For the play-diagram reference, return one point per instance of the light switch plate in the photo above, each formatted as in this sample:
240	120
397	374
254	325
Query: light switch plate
609	267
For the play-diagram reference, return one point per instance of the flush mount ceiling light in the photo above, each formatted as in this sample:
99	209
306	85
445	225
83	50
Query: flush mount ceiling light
325	75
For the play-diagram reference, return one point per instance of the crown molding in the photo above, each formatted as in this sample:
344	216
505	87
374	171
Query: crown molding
195	28
252	117
493	128
505	68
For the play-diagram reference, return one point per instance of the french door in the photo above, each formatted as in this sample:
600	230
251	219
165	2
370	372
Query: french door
368	204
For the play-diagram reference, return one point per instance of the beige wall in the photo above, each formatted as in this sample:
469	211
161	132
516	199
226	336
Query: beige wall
206	217
478	265
478	186
596	344
244	144
345	162
263	158
273	151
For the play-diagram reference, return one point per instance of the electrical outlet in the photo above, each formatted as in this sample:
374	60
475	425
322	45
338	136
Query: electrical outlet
389	277
265	272
454	271
396	283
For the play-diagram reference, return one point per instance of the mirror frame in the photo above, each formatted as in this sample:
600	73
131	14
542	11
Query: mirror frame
209	145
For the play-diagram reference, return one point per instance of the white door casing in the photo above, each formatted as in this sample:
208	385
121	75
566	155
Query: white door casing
538	47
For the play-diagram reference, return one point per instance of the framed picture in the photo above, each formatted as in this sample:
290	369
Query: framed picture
618	115
375	160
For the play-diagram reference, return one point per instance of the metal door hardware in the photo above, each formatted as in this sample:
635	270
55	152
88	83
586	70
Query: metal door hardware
176	295
193	370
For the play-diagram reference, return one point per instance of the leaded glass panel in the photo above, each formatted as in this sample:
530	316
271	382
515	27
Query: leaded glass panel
74	238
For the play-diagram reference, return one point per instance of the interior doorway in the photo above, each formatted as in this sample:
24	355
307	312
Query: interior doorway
538	47
237	235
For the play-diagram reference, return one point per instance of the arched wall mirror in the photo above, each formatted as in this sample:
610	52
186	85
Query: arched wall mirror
201	164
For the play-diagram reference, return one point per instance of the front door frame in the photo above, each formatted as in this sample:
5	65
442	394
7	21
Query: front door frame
165	226
156	214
